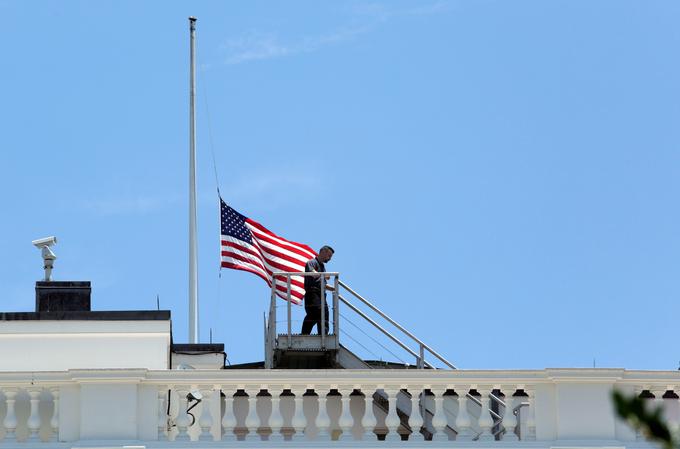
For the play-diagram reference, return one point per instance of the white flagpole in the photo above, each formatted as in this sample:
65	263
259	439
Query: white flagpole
193	250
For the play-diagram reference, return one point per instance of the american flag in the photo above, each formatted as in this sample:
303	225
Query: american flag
249	246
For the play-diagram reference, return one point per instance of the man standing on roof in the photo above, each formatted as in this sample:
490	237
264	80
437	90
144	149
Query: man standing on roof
313	291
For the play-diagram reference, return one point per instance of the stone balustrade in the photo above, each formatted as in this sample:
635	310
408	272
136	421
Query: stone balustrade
31	413
327	407
345	412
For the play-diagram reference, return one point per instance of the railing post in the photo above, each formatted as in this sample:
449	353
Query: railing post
392	419
415	419
252	419
463	421
299	421
485	422
345	421
54	422
229	419
267	345
275	419
33	422
336	311
421	357
368	421
10	421
205	421
183	421
290	338
323	311
439	421
272	324
323	421
509	418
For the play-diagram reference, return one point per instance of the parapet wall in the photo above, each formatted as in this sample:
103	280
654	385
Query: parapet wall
326	408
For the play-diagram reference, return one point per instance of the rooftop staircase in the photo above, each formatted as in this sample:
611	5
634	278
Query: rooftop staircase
293	350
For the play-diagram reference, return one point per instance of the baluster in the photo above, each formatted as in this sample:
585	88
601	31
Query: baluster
33	422
54	422
439	421
10	421
463	421
206	421
485	422
369	421
531	414
415	421
183	421
345	422
509	418
276	419
299	422
323	421
252	420
392	419
229	419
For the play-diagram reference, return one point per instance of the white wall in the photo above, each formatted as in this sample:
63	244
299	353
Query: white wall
37	345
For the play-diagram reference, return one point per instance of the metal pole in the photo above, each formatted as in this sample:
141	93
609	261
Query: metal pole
267	364
336	312
193	247
290	338
272	320
323	311
421	358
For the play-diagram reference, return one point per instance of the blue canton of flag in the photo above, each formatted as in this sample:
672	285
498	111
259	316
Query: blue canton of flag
234	224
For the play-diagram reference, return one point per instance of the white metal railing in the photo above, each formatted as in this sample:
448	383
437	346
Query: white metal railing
271	323
271	329
422	347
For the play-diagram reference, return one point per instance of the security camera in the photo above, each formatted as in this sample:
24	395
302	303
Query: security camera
195	395
47	241
48	256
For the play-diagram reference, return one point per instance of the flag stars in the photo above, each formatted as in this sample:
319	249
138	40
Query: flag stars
234	224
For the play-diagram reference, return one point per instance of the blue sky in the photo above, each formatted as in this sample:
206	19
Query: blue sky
500	177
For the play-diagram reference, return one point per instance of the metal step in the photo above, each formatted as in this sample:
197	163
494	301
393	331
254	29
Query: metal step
299	342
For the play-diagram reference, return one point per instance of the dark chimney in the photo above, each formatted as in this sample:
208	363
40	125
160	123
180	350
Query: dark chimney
62	296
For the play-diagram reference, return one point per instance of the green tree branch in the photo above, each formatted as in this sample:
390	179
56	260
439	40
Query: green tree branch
644	418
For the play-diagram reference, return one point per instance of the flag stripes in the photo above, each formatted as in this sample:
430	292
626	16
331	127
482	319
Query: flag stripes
248	246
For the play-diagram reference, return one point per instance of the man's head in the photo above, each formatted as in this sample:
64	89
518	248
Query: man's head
325	254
